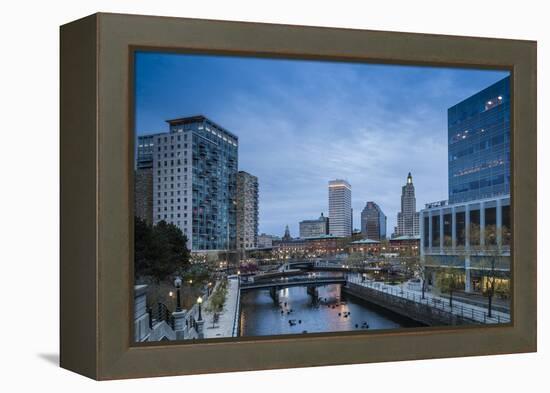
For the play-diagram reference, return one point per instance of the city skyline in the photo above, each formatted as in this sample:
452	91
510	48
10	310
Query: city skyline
286	114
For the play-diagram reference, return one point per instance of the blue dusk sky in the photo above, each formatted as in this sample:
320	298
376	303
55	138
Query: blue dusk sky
302	123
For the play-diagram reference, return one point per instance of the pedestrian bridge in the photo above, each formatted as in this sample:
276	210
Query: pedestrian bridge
326	265
286	282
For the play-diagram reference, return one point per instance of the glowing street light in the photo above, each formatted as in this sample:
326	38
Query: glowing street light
177	284
199	302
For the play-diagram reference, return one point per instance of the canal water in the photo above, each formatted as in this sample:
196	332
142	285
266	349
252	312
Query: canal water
298	313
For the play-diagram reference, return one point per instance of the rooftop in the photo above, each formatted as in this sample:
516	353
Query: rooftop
365	241
198	119
320	237
406	237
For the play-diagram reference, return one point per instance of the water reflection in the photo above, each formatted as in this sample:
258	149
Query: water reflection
297	312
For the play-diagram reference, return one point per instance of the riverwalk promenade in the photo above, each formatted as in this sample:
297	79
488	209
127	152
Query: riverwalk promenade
460	309
228	319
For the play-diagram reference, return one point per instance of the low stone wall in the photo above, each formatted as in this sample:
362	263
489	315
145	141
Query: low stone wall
162	331
422	313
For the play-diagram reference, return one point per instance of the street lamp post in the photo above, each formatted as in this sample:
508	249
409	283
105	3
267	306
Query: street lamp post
177	284
199	302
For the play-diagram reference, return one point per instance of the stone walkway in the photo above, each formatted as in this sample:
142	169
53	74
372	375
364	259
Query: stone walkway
228	318
476	313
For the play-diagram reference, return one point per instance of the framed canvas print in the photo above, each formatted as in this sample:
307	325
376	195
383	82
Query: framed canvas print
240	196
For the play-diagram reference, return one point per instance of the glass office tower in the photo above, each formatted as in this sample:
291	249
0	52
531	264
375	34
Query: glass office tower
475	222
479	144
373	222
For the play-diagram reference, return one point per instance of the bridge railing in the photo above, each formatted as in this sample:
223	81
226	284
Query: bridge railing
458	309
160	313
289	280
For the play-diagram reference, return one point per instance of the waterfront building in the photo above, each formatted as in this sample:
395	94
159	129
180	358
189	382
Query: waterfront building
340	213
471	232
408	217
247	211
364	246
373	222
466	236
194	180
312	228
311	247
405	245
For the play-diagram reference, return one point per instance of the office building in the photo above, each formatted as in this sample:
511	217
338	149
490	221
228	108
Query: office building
408	217
266	241
471	231
314	228
339	206
373	222
479	145
247	211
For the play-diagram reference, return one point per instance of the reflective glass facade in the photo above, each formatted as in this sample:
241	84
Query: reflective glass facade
373	222
194	169
479	144
214	158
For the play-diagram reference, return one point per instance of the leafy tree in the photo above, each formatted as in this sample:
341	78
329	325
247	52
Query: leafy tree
160	250
355	258
216	301
198	274
142	244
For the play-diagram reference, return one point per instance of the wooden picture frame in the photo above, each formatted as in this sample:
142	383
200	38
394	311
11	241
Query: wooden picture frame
97	200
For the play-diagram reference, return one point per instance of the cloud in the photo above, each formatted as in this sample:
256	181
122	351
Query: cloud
302	123
297	138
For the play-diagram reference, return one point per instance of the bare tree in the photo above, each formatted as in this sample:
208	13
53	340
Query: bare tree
489	255
449	281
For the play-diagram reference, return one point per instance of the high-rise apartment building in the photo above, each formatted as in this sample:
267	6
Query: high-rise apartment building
373	222
194	180
314	228
408	217
247	211
339	208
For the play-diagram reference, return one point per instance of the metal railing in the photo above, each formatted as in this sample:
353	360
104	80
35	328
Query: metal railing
162	313
458	309
284	281
235	330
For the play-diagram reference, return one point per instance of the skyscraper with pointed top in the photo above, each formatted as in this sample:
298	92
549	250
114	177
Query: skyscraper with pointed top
287	234
408	218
